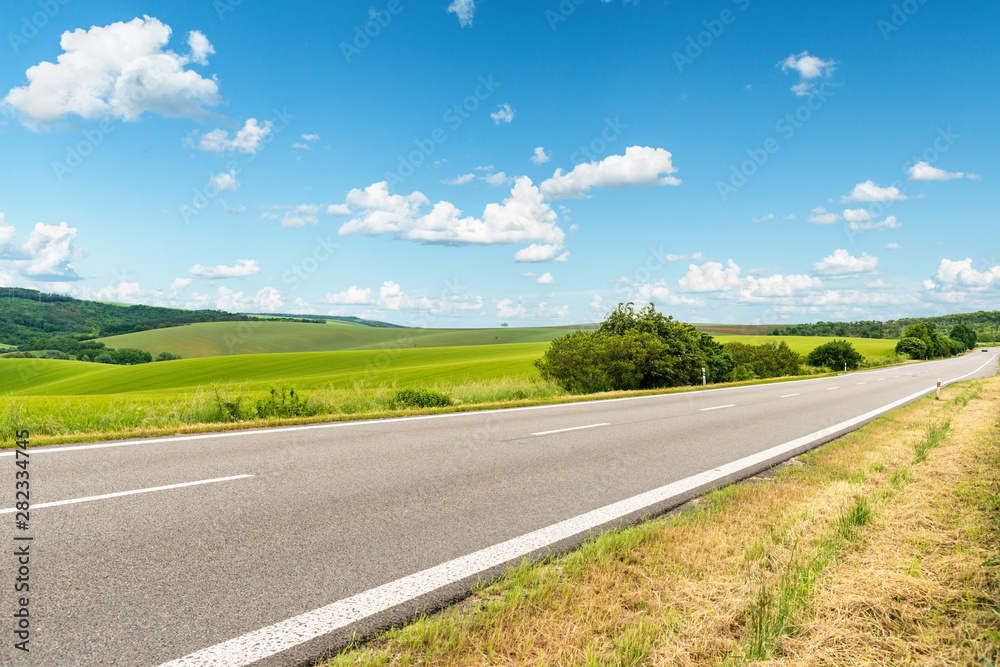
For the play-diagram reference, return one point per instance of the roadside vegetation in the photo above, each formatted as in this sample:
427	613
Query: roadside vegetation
986	325
881	548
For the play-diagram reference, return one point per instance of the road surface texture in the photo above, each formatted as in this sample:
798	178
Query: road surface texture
270	546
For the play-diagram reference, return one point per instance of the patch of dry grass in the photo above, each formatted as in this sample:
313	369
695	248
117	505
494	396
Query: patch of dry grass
869	550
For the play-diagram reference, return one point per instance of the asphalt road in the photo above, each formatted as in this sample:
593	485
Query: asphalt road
305	517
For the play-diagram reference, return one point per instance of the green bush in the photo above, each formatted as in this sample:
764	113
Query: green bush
167	356
104	358
914	348
634	350
420	398
281	403
769	360
835	355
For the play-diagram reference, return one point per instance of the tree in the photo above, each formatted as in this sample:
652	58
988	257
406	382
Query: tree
166	356
634	350
762	361
914	348
965	335
835	355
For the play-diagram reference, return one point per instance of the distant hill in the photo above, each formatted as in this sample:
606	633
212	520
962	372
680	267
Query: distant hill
331	318
984	323
29	315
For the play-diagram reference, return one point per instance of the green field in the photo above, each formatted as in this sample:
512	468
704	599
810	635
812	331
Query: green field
213	339
870	348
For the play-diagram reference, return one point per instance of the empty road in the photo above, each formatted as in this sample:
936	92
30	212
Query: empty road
268	546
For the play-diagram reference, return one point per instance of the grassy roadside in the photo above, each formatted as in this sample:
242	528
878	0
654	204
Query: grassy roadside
880	548
69	419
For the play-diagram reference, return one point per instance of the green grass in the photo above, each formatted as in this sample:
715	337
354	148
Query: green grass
870	348
257	372
212	339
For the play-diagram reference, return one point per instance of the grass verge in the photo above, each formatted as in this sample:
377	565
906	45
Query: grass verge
880	548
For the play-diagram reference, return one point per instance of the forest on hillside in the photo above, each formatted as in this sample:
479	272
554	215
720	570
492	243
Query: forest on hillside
985	323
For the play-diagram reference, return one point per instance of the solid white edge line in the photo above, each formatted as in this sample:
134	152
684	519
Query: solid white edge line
119	494
572	428
718	407
273	639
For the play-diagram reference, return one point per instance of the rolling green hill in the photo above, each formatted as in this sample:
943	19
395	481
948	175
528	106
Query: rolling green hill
227	338
305	370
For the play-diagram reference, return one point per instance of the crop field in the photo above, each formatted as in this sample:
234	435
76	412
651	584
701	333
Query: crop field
870	348
214	339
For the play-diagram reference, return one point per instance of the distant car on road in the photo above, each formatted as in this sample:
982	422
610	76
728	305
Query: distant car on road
986	349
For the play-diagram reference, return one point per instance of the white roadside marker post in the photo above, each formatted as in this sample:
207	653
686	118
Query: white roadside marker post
938	397
704	378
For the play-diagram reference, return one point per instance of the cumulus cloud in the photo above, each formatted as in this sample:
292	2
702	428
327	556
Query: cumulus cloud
923	171
7	233
550	312
352	296
392	297
540	156
503	114
249	139
339	210
889	223
819	216
179	284
523	217
498	178
641	166
858	215
842	264
226	181
307	141
121	70
538	252
659	293
810	68
243	268
507	309
47	252
870	192
463	9
267	300
546	279
961	274
728	281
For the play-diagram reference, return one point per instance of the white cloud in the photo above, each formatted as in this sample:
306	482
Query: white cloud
961	274
267	300
464	10
498	178
506	309
819	216
870	192
122	292
179	284
858	215
459	304
243	268
249	139
392	297
546	279
540	156
310	137
693	257
339	210
300	216
597	303
121	71
537	252
302	307
889	223
48	250
641	166
727	281
226	181
547	312
769	216
923	171
893	246
503	114
659	292
461	180
381	212
201	48
352	296
842	264
7	233
809	68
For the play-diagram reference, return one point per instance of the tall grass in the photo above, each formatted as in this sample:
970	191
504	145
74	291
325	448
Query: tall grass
237	403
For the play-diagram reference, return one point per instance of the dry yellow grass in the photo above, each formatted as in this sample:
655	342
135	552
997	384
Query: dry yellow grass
857	554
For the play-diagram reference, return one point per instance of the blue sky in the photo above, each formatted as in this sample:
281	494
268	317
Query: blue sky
479	162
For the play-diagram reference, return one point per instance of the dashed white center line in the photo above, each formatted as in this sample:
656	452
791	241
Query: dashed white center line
832	388
719	407
790	395
564	430
88	499
862	383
